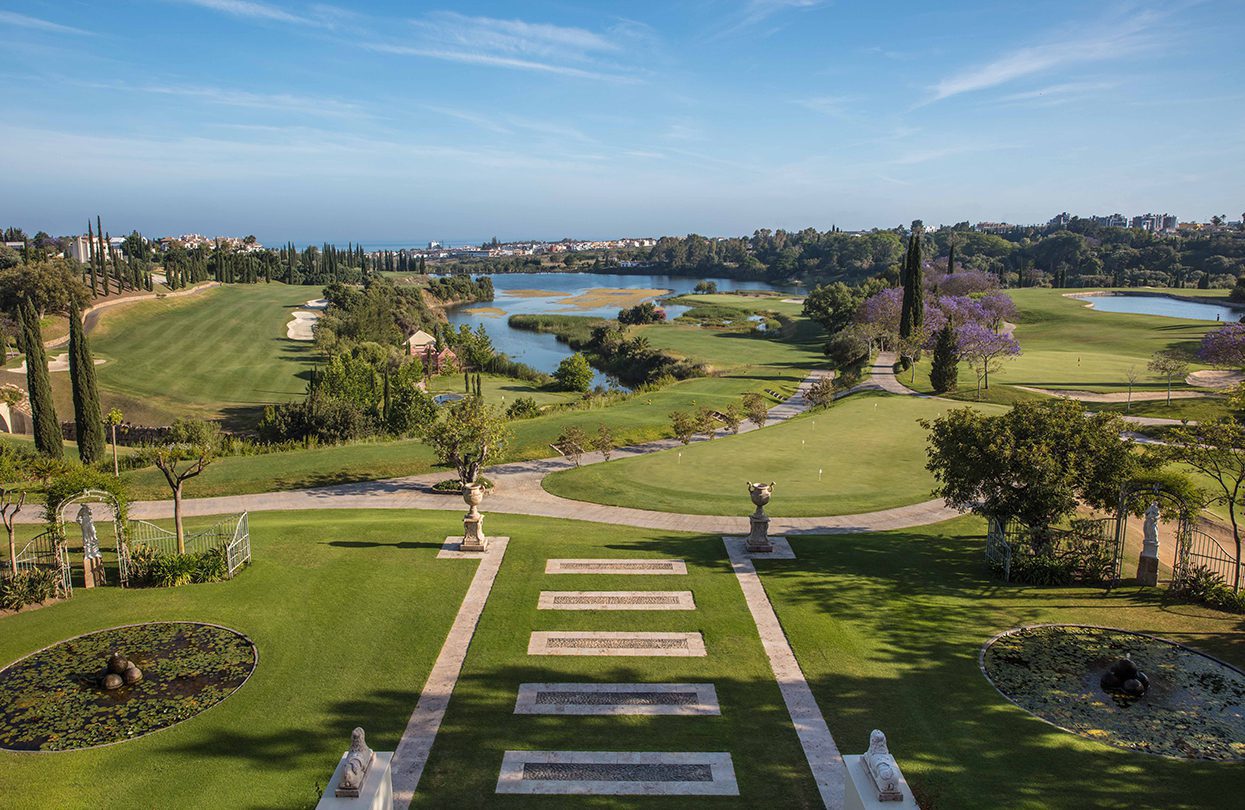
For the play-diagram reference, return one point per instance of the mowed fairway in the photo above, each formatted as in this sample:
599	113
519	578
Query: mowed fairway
1068	346
219	353
869	450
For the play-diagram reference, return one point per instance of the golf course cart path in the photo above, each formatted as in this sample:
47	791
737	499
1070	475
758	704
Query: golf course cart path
519	491
421	730
820	749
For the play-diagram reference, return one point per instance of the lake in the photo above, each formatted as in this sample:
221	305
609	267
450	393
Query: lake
571	294
1163	305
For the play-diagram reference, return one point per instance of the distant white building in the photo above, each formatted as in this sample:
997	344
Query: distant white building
79	249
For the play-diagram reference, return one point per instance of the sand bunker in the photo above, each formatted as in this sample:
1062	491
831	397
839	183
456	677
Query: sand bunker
610	297
58	363
1215	378
487	312
536	293
1115	396
302	327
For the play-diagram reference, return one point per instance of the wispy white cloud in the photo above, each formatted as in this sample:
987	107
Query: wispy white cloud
755	12
493	60
253	10
1059	93
283	102
516	37
835	106
1114	39
519	45
23	21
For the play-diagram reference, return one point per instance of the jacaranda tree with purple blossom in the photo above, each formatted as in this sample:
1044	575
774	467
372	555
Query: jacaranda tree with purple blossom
984	350
1224	347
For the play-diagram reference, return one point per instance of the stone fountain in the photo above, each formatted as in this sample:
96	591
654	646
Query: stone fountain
120	672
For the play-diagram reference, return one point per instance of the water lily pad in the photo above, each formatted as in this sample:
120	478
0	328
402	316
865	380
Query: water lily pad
51	700
1194	708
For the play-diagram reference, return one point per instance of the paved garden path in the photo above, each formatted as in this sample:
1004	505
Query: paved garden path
518	489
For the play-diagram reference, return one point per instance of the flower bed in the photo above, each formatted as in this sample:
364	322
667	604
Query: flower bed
1194	708
52	701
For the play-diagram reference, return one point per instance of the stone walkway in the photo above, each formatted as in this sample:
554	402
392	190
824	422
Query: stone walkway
421	730
820	749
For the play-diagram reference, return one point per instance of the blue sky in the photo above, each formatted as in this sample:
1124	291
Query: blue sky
391	121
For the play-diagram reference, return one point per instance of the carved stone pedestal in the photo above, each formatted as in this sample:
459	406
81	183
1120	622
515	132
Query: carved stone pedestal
758	538
1148	570
473	533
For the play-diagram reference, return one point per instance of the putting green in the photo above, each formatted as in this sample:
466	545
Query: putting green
862	454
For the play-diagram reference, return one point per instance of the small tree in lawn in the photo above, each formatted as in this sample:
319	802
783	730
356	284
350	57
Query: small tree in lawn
1132	375
821	392
707	421
756	408
572	442
186	451
944	371
1217	450
1168	366
574	373
465	434
984	350
11	503
603	441
683	425
113	419
732	417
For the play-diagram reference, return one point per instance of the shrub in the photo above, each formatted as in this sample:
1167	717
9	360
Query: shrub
29	588
1208	588
523	408
152	568
647	312
453	486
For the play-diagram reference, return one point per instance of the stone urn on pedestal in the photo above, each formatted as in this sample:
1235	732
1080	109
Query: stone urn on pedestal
473	521
758	537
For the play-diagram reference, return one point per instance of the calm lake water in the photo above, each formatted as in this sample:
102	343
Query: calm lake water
1163	305
544	352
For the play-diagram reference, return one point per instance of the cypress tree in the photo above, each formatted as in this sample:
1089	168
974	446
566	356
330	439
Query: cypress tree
944	370
47	428
86	411
912	314
90	240
951	256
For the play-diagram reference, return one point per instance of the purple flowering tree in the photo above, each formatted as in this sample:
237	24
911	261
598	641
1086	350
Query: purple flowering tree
1224	347
984	350
965	282
879	316
999	307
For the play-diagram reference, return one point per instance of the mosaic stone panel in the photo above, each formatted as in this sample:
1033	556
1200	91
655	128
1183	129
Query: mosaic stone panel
607	643
616	600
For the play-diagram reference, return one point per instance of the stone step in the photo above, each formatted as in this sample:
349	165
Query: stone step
617	773
568	642
616	600
615	566
697	699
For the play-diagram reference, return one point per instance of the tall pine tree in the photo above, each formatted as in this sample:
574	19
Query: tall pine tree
86	411
944	370
39	387
912	315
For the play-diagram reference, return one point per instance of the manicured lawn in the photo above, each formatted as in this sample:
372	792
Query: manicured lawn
754	726
500	390
222	353
887	628
747	303
733	349
1065	345
640	418
348	609
869	448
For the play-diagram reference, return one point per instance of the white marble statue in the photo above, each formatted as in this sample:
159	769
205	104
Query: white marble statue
882	768
90	541
1150	543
